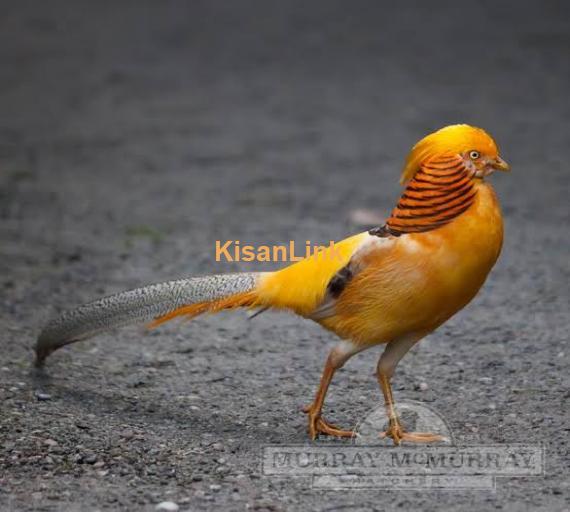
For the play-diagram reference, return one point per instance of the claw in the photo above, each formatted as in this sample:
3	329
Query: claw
396	432
318	425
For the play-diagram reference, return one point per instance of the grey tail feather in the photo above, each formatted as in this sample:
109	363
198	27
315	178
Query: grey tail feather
135	306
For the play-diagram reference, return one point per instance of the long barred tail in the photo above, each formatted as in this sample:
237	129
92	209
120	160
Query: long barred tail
158	302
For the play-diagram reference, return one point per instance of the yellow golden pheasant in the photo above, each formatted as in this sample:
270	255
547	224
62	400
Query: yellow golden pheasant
392	285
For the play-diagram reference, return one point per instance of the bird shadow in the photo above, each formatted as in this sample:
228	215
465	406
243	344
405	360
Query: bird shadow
144	411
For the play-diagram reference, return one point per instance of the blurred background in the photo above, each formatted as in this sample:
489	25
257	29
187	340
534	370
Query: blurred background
130	123
134	134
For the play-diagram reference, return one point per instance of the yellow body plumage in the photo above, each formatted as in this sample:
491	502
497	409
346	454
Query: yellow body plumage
412	283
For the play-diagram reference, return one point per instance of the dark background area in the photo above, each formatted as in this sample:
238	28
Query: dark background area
133	135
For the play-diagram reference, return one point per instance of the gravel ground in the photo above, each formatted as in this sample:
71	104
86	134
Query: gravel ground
133	135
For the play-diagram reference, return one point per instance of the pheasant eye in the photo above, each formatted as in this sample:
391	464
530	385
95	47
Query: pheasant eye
474	155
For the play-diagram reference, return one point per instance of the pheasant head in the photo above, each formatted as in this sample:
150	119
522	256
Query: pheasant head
475	146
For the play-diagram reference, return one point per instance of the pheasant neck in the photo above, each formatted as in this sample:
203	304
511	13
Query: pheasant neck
439	192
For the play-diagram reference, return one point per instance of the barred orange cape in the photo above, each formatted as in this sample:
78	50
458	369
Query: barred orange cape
440	190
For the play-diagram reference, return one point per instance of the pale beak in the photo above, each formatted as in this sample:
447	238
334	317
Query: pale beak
500	165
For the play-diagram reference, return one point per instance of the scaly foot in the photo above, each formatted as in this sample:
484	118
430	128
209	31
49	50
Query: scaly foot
397	434
317	425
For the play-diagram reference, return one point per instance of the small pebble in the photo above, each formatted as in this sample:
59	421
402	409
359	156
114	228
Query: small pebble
167	506
365	217
43	397
423	386
127	434
215	487
90	458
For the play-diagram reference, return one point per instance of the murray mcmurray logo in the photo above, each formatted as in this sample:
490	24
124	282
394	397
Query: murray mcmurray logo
370	462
